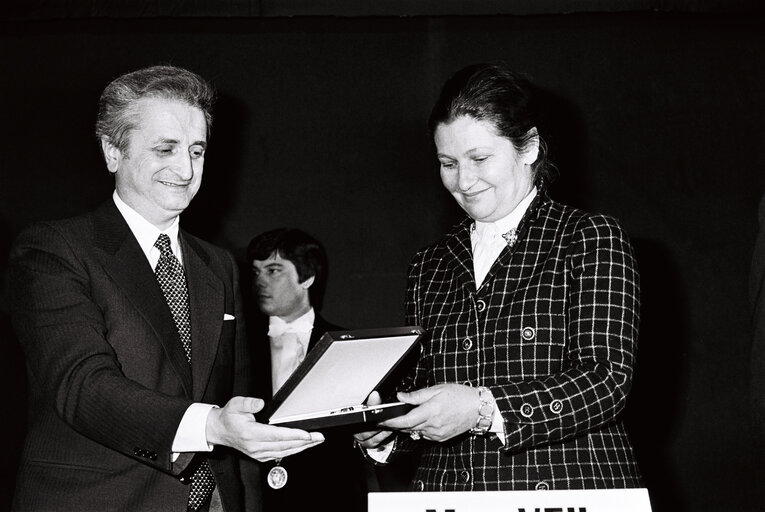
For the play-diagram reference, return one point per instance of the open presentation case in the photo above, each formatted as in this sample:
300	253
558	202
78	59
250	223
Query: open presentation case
329	387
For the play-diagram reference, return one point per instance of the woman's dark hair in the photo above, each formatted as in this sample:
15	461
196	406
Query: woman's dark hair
300	248
504	98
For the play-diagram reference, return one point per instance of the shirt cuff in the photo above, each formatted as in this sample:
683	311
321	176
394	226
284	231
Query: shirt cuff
381	453
497	423
191	435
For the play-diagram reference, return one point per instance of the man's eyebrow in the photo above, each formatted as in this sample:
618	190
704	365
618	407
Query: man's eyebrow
163	140
202	143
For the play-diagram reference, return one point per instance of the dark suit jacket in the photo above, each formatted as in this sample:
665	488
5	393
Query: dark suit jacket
552	332
331	476
109	382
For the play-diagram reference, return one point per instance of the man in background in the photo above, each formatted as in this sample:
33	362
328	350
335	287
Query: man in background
289	270
132	328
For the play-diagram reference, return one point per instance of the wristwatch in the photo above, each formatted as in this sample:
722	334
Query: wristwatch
485	412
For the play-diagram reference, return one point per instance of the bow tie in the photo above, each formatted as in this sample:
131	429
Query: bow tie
277	327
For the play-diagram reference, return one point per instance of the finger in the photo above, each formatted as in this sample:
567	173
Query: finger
414	419
417	397
274	434
374	398
376	440
363	436
270	451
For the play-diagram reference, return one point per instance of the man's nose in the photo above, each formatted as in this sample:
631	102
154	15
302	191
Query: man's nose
184	166
260	282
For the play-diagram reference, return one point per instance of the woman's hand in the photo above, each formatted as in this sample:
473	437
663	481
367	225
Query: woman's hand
372	438
443	411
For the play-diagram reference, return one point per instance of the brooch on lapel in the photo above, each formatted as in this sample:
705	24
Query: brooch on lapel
511	237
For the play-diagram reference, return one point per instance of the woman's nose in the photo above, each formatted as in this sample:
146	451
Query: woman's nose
466	177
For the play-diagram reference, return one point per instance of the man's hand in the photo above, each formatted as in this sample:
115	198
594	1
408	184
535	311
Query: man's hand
235	426
372	438
443	411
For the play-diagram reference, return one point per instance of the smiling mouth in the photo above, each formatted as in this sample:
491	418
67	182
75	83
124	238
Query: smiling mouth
175	185
471	195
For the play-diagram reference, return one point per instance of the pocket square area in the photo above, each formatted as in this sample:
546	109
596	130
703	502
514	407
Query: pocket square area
226	316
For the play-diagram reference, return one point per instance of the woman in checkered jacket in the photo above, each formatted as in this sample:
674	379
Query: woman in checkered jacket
531	309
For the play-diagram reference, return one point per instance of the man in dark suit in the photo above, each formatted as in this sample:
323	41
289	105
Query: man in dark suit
289	277
132	328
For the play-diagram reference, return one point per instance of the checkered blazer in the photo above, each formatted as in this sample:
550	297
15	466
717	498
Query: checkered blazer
552	333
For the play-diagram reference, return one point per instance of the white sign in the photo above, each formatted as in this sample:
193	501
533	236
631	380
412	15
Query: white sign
609	500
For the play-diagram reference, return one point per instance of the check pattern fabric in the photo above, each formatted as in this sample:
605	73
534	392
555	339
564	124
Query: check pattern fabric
172	280
552	333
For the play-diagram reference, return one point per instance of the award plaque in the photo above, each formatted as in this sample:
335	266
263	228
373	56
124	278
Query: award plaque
330	386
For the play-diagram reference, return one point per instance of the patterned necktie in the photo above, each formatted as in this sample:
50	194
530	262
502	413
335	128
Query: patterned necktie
172	280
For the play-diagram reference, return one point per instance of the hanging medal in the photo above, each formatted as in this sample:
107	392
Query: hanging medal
277	476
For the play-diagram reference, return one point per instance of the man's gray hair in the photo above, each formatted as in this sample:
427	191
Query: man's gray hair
116	112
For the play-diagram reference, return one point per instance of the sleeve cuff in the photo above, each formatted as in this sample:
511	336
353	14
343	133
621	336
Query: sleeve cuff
191	435
381	454
497	423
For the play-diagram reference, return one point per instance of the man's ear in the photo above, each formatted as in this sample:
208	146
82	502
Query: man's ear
531	153
308	282
112	155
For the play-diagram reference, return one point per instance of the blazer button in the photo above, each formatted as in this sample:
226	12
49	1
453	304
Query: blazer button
419	485
542	486
481	305
527	410
528	333
467	343
556	406
465	476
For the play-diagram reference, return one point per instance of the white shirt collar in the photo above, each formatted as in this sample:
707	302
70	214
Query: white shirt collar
302	324
147	233
506	223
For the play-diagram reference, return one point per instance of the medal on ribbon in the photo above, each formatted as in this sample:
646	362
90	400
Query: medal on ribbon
277	476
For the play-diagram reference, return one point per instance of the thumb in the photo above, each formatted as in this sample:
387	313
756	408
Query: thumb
374	398
246	404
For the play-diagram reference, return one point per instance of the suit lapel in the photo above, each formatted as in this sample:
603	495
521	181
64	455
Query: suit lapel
206	296
459	255
320	326
505	259
126	263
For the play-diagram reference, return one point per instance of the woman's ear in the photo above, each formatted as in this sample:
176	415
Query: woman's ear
112	155
531	153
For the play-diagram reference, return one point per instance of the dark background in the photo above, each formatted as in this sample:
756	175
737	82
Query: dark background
656	115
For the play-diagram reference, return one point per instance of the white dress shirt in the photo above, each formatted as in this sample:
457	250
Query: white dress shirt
191	435
289	345
487	241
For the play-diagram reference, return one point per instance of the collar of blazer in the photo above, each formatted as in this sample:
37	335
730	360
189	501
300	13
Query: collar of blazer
456	244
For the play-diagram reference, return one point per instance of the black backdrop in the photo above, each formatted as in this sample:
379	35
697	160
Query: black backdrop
654	117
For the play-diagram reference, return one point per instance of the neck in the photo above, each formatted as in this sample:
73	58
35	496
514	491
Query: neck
297	313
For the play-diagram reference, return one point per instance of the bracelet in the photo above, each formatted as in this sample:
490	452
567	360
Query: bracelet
485	412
